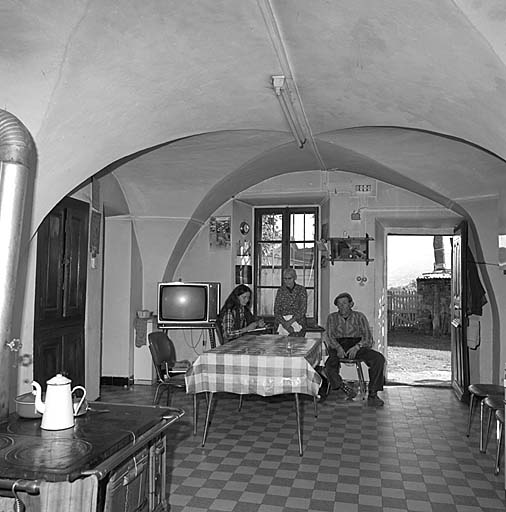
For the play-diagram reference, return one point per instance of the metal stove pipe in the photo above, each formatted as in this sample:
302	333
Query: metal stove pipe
17	164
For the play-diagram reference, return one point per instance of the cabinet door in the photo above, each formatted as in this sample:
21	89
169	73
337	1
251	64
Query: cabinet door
60	293
127	486
60	352
73	354
61	263
74	263
48	357
50	254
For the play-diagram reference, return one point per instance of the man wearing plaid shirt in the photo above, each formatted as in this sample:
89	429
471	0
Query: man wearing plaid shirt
348	336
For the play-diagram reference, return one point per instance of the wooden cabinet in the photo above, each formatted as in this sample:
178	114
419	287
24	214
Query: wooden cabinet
127	489
138	485
60	292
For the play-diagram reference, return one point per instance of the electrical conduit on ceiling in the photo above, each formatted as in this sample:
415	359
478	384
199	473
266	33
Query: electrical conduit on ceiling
273	29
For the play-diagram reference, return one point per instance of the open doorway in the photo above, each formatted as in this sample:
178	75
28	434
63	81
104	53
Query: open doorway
419	297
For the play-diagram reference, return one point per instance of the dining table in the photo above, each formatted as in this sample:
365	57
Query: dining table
263	365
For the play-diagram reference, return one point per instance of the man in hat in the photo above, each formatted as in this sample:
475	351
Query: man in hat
348	336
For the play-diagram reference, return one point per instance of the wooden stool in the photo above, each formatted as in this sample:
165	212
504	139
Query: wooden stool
489	406
477	393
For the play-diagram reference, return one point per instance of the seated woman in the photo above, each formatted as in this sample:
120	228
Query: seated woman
235	316
290	306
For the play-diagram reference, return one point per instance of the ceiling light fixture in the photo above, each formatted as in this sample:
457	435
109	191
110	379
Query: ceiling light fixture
280	86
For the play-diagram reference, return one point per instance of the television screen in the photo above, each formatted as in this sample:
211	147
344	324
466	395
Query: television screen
187	304
184	303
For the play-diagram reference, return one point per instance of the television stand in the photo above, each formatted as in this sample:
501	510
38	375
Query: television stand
211	328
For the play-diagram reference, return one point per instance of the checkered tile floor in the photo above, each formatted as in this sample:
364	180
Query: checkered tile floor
411	455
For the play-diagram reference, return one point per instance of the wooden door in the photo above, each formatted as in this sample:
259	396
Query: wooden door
460	355
60	293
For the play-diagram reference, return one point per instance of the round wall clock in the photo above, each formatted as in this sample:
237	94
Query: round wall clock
244	228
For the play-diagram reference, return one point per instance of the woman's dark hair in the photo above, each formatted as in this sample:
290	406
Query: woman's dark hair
232	301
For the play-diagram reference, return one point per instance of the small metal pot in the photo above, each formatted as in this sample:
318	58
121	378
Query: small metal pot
25	406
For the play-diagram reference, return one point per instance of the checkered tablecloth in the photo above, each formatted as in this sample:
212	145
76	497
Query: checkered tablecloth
262	365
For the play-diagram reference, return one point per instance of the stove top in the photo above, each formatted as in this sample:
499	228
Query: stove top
5	442
28	452
47	455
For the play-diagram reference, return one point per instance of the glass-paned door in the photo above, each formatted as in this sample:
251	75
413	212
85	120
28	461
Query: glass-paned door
285	237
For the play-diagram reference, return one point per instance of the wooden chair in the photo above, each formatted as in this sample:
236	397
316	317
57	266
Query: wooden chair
169	371
360	374
219	332
357	363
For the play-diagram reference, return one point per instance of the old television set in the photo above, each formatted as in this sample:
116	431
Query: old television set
187	305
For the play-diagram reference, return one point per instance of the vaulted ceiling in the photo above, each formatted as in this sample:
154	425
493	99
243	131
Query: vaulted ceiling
175	98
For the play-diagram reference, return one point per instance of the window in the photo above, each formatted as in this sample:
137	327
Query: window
285	237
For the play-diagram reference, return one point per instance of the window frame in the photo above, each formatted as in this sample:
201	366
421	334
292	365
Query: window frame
286	213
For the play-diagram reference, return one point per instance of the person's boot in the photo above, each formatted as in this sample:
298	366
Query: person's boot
350	392
374	400
323	393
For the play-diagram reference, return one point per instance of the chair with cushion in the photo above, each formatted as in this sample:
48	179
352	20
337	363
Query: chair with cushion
478	392
169	371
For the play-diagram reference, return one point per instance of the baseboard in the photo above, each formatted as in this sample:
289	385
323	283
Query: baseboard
116	381
143	382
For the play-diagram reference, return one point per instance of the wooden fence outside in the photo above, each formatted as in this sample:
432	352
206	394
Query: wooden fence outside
403	309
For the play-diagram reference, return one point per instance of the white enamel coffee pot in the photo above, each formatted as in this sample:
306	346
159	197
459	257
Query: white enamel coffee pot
58	410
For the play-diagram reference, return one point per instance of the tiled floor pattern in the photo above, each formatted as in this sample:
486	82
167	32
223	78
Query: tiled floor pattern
411	455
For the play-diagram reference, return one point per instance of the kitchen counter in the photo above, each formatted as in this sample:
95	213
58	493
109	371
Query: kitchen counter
29	453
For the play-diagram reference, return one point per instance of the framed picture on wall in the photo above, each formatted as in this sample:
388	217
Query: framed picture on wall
219	232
